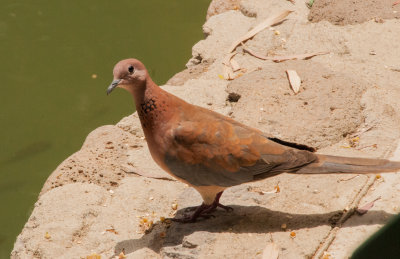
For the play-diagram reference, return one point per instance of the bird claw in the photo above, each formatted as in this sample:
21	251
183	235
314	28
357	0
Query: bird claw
203	211
193	218
190	209
226	208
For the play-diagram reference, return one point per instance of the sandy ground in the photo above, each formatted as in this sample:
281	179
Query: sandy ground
101	200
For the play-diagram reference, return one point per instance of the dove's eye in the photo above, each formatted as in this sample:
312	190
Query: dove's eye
130	69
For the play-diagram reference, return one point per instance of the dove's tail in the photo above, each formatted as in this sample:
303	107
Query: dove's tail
349	165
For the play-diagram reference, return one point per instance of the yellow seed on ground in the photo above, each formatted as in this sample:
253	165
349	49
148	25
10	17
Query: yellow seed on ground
47	235
293	234
162	219
174	206
378	176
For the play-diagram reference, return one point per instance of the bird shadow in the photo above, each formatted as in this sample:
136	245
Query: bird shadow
244	219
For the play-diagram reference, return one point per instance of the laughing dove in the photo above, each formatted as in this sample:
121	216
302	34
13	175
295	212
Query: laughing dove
211	152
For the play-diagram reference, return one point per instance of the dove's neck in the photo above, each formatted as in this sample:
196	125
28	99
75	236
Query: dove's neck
153	105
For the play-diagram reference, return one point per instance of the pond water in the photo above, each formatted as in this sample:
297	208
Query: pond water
56	60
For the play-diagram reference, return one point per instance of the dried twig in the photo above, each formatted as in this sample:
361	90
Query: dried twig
361	131
283	58
148	175
235	65
373	145
348	179
228	69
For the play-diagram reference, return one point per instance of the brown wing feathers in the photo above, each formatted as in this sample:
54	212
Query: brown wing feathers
226	154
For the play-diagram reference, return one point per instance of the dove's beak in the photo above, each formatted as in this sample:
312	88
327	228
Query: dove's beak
114	84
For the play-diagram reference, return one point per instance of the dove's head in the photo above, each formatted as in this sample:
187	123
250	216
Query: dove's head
129	74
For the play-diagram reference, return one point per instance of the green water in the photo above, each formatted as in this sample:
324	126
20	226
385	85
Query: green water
49	100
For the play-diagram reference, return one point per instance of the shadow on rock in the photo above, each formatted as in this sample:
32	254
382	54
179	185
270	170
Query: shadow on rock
244	219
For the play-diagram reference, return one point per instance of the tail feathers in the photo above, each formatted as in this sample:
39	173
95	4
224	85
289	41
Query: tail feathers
349	165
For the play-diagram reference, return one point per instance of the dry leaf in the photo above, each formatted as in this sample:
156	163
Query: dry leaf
145	225
238	75
121	255
294	80
354	141
271	251
326	255
276	190
266	23
364	209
